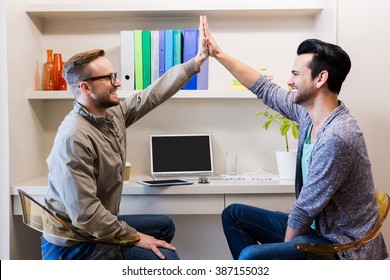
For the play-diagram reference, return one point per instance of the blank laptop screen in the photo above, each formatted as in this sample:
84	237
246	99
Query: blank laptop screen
181	154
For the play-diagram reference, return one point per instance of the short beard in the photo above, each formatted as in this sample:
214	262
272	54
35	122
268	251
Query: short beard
109	104
301	98
103	102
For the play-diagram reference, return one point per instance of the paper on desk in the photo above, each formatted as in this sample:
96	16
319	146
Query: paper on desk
258	174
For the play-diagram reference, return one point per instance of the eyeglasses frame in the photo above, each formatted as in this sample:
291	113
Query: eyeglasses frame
113	77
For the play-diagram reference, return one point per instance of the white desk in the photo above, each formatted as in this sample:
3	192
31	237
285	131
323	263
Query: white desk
195	209
209	198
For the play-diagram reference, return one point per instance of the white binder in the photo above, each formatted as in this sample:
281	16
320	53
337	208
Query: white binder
154	52
127	60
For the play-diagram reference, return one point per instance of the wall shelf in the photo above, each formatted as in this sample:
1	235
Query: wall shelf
183	94
172	8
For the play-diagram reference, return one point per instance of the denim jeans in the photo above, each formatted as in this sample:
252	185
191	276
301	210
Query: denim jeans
159	226
257	234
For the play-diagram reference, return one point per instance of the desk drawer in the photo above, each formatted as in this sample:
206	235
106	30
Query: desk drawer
172	204
276	202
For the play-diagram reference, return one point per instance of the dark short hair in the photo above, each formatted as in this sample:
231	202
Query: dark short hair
76	68
327	57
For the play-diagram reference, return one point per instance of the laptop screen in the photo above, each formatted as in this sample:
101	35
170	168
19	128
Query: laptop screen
188	154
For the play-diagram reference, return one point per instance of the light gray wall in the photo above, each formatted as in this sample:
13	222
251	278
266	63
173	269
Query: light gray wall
363	31
4	140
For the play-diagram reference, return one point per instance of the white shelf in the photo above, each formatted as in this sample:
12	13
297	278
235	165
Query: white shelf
174	8
183	94
43	12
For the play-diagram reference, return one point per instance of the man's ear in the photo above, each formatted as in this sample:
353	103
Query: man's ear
84	86
322	78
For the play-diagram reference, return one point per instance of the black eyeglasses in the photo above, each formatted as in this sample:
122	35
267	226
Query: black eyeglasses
112	78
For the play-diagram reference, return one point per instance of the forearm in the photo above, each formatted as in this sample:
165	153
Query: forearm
242	72
291	234
138	105
200	58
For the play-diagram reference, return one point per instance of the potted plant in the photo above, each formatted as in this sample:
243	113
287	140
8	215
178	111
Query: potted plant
285	159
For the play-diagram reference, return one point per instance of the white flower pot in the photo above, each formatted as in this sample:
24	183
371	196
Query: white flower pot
286	164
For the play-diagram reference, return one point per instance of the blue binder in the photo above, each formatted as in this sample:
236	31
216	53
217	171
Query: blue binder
168	49
190	48
161	58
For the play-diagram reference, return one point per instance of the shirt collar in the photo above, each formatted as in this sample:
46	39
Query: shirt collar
82	111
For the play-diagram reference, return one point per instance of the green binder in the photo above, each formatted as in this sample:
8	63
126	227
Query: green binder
146	58
138	72
177	46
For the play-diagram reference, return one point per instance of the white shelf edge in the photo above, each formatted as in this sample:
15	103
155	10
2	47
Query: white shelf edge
174	8
183	94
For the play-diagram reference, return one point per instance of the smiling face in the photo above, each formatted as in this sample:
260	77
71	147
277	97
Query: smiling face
103	93
301	83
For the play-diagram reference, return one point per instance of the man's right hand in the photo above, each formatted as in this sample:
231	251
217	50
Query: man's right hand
151	243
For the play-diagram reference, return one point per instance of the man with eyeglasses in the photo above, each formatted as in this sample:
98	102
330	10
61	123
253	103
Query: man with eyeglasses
87	159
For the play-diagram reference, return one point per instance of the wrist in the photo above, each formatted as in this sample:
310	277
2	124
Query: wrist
200	59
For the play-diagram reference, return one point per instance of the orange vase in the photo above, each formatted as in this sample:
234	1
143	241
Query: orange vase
48	75
56	71
62	82
58	65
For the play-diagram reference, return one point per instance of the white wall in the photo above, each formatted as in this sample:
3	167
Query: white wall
4	141
363	31
24	45
26	146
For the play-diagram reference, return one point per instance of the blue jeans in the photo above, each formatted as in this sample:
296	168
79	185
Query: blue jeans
159	226
257	234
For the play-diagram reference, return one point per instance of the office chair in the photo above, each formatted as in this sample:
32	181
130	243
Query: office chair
331	249
40	218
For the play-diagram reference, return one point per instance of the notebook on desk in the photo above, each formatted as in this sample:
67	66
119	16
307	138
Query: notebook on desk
181	156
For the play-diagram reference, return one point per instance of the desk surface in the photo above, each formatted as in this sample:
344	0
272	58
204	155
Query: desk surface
38	186
209	198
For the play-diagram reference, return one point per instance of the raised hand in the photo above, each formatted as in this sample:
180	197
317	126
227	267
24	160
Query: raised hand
203	52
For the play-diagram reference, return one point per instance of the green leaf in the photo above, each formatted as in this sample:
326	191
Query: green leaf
295	130
277	116
267	124
284	128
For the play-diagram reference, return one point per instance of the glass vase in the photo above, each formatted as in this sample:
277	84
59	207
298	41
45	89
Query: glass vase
62	82
57	71
48	75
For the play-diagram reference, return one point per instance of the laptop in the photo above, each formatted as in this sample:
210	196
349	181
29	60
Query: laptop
181	156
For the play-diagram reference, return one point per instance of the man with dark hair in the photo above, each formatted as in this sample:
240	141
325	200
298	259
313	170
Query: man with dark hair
87	161
335	192
327	57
